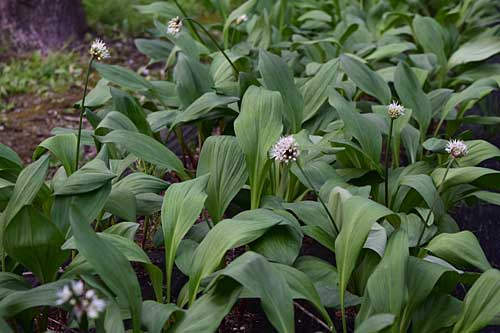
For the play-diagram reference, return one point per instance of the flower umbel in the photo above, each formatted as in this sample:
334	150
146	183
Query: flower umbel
456	148
98	50
174	26
242	18
395	110
285	150
83	302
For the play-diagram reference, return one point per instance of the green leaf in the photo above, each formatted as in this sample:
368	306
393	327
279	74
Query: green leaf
122	203
9	159
257	128
253	271
461	249
358	216
481	303
115	120
412	96
123	77
244	8
126	104
315	91
97	96
28	184
478	151
303	288
111	265
483	177
160	8
155	315
91	176
181	207
390	274
361	128
192	79
376	323
430	35
223	159
155	49
146	148
202	107
225	235
390	50
438	311
63	147
475	50
366	79
139	183
32	240
208	311
277	76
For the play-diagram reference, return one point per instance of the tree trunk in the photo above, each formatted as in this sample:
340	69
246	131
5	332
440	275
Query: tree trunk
40	24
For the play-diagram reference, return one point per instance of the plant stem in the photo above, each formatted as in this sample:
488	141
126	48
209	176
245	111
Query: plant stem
387	154
82	110
212	38
450	162
145	231
191	27
282	14
319	197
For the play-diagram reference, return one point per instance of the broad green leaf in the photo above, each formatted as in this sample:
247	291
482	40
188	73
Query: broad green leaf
481	303
303	288
478	151
63	147
192	79
437	312
257	129
139	183
277	76
207	312
482	177
222	158
155	315
412	96
225	235
155	49
390	50
123	77
461	249
475	50
430	35
376	323
91	176
245	8
389	275
130	107
358	216
315	91
202	107
365	131
97	96
181	207
28	183
32	239
115	120
252	271
111	265
9	159
122	203
146	148
160	8
366	79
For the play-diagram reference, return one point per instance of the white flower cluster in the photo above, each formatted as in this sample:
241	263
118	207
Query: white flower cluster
456	148
242	18
395	110
285	150
83	302
98	50
174	26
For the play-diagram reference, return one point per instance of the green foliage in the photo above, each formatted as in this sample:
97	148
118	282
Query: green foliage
235	212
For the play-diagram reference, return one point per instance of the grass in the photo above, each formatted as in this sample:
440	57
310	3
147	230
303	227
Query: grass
37	74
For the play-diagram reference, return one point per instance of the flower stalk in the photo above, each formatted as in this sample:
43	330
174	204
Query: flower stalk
387	154
82	111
